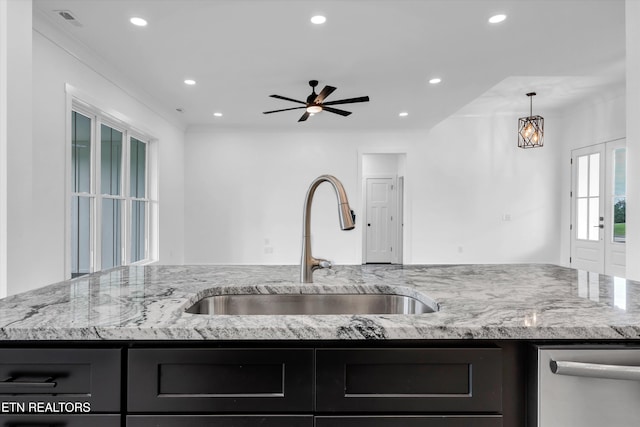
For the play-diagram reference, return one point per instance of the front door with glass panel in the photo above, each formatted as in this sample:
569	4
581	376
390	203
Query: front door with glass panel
598	208
615	254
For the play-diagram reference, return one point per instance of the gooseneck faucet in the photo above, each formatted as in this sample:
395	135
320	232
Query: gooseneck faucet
308	263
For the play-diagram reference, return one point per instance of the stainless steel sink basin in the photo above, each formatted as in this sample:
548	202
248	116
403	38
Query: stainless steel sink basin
311	304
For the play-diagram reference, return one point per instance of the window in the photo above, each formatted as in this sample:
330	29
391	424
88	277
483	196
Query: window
111	196
139	201
82	199
109	199
588	197
619	201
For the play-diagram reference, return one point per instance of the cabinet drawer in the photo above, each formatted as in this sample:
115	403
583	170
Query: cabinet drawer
411	421
220	380
220	421
62	375
59	420
409	380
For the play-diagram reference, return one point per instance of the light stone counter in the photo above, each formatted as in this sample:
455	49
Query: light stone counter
475	302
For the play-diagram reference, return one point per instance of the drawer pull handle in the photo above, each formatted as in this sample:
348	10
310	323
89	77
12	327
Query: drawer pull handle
595	370
28	382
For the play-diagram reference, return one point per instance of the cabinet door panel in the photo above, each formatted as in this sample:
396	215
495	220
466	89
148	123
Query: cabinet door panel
219	421
220	380
411	421
60	420
409	380
62	375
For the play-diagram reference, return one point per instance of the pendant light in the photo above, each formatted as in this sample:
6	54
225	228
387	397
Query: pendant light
530	129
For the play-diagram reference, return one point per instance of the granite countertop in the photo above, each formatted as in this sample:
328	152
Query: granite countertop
475	302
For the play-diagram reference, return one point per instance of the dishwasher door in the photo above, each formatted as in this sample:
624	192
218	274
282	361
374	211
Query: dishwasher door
594	386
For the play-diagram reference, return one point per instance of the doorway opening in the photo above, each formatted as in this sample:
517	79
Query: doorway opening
383	213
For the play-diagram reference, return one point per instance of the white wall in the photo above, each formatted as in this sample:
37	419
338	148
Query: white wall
4	84
379	163
55	66
478	198
633	138
17	124
244	192
592	122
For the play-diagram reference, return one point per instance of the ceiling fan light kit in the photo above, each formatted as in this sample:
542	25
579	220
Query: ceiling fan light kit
531	129
315	102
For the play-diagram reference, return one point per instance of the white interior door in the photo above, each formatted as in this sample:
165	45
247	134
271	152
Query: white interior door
598	208
380	209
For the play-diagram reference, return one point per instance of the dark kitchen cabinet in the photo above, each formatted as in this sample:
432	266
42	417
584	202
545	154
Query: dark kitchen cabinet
221	380
411	421
220	421
325	387
60	420
64	376
411	380
60	387
245	386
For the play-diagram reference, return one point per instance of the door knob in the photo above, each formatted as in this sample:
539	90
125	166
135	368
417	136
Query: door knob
369	225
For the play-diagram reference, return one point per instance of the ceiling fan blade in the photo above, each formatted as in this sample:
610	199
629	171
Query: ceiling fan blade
348	101
304	117
328	90
287	99
284	109
336	111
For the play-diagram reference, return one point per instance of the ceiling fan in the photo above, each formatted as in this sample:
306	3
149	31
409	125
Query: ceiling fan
315	102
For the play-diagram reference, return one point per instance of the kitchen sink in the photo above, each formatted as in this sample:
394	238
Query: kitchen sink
310	304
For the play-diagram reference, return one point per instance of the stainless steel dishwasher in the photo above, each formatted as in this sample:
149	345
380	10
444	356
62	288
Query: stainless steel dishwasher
585	386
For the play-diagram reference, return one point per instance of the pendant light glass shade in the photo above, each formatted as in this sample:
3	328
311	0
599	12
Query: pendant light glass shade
530	129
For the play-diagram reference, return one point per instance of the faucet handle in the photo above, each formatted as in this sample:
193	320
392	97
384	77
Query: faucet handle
323	263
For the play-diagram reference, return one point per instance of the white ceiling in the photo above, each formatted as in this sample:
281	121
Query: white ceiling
242	51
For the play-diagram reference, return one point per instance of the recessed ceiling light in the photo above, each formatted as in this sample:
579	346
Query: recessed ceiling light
318	19
138	21
435	81
189	82
497	18
217	114
403	114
